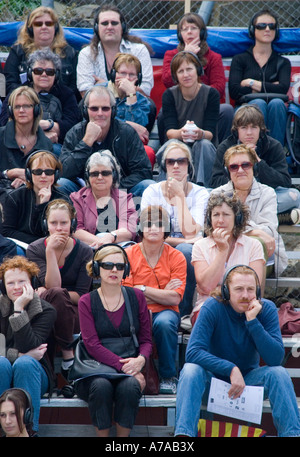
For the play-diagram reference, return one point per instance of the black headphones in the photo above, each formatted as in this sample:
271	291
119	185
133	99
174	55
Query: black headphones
238	219
73	225
251	28
190	168
202	36
115	173
96	266
28	172
225	290
198	64
30	79
96	21
36	110
35	283
85	112
28	411
30	29
113	72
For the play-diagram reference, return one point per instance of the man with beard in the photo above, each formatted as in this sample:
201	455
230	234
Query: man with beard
232	333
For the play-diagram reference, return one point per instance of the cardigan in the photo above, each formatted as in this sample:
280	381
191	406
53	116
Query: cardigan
87	216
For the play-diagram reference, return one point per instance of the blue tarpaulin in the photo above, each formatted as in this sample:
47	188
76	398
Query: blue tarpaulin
225	41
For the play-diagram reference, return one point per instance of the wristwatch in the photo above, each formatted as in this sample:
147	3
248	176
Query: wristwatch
114	235
51	125
143	288
251	82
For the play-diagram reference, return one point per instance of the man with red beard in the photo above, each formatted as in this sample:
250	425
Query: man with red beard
232	333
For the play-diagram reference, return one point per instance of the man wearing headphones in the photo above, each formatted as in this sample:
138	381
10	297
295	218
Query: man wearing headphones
232	333
110	37
101	128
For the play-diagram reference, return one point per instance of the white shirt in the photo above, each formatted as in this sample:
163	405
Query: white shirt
87	66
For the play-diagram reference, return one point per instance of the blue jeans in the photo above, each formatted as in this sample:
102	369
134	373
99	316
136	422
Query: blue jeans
194	384
287	199
165	333
28	374
275	115
186	305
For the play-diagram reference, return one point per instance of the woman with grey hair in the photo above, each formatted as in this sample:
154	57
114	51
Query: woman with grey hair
60	108
105	214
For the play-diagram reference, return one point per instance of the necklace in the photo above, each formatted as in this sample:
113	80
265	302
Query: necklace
106	304
30	142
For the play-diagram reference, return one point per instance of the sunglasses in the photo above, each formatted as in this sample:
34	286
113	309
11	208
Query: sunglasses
113	23
104	173
264	25
41	23
235	166
180	161
39	71
39	172
111	265
95	109
149	224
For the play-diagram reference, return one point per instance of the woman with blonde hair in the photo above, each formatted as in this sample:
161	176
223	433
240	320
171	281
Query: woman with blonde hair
185	203
41	29
21	136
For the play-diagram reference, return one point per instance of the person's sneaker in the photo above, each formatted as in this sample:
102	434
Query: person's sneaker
168	386
289	218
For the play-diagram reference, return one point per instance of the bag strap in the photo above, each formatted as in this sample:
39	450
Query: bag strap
129	312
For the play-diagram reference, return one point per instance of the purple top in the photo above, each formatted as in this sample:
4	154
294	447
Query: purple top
91	339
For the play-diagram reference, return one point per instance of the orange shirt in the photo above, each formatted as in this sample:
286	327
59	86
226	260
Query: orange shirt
171	265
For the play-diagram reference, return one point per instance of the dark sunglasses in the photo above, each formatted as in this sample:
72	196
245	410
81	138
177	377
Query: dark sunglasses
264	25
41	23
111	265
180	161
105	109
113	23
39	71
39	172
235	166
104	173
150	223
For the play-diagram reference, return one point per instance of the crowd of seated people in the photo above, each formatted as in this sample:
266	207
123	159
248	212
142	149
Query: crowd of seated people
80	200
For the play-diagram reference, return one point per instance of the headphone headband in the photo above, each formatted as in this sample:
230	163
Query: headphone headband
28	172
225	289
96	266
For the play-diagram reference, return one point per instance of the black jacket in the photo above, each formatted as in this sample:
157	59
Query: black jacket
272	169
123	142
66	118
16	64
22	217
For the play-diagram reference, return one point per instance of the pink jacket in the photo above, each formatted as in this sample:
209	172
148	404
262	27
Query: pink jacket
85	205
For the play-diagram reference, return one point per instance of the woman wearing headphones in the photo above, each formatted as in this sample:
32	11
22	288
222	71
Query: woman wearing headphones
60	108
62	262
16	413
261	71
26	323
240	162
105	214
40	30
24	207
192	36
104	317
20	136
159	271
185	203
190	113
224	246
